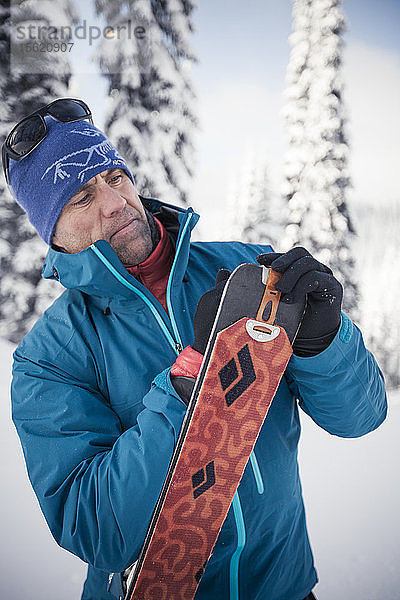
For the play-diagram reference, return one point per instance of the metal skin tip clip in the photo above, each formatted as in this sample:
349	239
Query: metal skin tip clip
262	332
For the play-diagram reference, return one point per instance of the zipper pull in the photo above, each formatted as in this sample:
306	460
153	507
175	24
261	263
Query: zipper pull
178	347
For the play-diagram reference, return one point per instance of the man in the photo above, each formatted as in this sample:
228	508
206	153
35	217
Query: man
100	384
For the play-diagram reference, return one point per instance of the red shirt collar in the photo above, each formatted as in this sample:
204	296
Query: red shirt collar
154	271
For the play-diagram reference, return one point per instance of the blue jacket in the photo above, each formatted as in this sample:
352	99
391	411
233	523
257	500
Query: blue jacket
98	418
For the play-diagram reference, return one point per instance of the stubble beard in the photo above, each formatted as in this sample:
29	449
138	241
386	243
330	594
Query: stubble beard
132	252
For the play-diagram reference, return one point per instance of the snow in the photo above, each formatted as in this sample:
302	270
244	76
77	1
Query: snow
33	567
352	496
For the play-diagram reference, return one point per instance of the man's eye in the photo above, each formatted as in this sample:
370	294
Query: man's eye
82	201
116	178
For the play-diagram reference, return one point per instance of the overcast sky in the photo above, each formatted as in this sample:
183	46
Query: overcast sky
243	52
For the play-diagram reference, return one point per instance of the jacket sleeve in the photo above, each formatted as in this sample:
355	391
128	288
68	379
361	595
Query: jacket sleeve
96	484
342	388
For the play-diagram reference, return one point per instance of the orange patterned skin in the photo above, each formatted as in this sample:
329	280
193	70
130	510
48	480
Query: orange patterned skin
234	399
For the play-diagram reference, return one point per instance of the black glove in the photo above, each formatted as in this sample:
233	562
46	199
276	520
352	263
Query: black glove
204	317
303	275
206	311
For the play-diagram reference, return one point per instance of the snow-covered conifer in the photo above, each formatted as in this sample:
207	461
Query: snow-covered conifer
317	162
254	212
298	80
150	107
379	253
237	197
28	79
262	219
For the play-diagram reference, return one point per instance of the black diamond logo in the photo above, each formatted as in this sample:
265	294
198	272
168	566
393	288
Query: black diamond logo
229	374
203	480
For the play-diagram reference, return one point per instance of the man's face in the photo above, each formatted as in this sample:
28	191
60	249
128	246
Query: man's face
107	208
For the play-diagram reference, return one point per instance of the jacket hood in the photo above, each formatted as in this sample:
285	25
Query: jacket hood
97	270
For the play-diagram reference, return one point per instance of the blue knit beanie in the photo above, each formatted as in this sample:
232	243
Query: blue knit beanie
70	155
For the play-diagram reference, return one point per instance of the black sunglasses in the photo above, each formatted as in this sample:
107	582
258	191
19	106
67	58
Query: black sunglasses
31	130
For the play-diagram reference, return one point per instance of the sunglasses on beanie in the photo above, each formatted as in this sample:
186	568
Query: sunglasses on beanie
32	130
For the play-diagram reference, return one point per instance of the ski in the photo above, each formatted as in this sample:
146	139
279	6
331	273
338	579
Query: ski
246	356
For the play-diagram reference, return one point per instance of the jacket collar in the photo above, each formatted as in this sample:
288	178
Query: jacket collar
154	271
98	271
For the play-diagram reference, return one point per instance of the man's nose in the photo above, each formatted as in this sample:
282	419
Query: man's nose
111	200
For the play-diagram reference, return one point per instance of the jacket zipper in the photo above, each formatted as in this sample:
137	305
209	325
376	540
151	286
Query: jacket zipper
241	530
176	344
257	473
241	541
169	284
153	309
